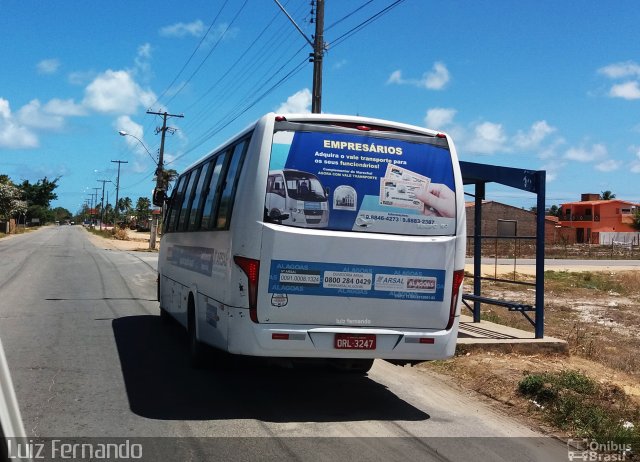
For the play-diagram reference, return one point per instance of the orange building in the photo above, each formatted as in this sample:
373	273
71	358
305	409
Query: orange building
592	217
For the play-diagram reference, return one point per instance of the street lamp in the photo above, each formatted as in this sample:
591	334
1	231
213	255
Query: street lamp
152	238
123	133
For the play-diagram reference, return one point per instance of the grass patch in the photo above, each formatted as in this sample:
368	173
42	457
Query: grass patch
575	403
583	280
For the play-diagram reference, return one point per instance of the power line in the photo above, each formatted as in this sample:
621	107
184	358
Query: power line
184	66
226	121
237	80
365	23
347	16
213	48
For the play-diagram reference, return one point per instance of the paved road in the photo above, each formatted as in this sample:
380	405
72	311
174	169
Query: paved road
90	358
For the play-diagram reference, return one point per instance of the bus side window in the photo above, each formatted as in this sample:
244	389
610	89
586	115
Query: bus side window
196	204
212	193
184	210
176	202
230	183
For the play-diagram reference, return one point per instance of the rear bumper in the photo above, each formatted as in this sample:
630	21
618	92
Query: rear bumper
249	338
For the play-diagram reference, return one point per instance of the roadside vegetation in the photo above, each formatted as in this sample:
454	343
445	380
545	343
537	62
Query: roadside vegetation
575	403
113	233
594	392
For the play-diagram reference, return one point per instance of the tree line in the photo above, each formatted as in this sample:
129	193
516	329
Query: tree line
28	202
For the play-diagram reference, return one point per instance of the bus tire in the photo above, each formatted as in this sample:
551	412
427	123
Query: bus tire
352	366
196	349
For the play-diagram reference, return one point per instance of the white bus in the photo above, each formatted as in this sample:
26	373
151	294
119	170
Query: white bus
376	273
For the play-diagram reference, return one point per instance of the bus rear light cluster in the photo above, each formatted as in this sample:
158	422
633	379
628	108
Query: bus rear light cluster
458	276
251	268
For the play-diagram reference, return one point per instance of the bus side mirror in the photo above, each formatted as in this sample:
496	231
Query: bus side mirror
159	197
326	191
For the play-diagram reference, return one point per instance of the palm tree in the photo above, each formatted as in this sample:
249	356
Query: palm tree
607	195
124	205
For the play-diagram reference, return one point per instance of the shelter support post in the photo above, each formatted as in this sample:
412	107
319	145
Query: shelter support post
477	248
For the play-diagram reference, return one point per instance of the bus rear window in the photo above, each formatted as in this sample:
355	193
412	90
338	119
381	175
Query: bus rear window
360	182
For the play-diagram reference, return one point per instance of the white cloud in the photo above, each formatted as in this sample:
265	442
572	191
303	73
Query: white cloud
12	134
396	77
584	154
116	92
552	170
621	70
32	115
143	61
181	29
534	137
487	138
435	79
626	90
439	117
66	107
608	165
628	70
80	77
550	151
48	66
222	32
340	64
5	109
299	102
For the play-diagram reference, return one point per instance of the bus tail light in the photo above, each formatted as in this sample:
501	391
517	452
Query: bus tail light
458	276
251	268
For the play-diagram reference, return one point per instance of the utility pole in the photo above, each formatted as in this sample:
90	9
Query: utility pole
118	184
318	52
318	46
160	186
95	201
102	202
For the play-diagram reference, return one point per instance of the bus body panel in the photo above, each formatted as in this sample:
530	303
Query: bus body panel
353	265
309	341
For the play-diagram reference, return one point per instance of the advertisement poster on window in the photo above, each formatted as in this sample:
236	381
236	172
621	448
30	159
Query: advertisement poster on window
360	183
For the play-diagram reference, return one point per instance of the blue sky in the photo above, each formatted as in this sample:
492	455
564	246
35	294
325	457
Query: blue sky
530	84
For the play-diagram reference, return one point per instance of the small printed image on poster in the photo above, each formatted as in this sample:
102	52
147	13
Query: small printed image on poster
345	198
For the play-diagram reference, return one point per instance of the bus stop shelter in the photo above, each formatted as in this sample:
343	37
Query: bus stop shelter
532	181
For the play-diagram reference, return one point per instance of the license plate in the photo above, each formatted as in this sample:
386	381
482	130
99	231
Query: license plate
355	342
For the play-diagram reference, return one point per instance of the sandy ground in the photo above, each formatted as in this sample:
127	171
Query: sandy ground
136	241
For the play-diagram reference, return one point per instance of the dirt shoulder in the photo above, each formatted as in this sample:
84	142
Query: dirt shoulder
596	312
135	241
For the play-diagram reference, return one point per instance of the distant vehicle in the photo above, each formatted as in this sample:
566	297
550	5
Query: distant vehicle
347	264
